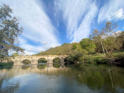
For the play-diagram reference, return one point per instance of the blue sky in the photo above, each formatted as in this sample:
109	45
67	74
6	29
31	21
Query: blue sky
50	23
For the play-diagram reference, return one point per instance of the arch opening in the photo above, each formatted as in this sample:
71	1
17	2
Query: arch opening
42	62
26	62
57	62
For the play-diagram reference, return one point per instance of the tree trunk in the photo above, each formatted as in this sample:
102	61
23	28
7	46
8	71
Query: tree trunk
102	47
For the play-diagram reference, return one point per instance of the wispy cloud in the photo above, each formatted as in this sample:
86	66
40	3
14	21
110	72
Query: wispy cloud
43	20
119	14
37	26
29	49
77	15
113	9
85	27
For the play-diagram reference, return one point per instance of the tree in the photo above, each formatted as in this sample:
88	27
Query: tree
15	54
73	59
106	39
88	45
97	38
120	40
9	31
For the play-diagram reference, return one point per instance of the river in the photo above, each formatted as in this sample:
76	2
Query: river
89	79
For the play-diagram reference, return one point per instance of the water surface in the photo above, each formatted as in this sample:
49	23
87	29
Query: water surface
89	79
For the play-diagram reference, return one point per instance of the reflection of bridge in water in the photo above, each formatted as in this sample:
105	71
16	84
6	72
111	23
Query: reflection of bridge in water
34	59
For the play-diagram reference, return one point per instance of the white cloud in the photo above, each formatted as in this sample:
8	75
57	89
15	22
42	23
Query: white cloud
73	12
37	25
29	49
113	9
84	29
78	16
119	14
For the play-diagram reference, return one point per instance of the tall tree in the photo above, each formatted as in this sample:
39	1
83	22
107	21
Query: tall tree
120	40
88	45
106	38
9	31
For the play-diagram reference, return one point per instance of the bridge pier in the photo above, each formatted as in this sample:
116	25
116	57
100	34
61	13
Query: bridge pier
62	62
50	62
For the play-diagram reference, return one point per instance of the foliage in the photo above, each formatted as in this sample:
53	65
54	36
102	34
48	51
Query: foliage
9	31
99	48
120	40
65	49
7	65
72	59
15	54
56	62
26	62
88	45
106	39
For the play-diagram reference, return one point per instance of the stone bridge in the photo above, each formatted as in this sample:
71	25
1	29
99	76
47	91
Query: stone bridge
34	59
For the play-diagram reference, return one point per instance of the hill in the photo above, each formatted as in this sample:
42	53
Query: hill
64	49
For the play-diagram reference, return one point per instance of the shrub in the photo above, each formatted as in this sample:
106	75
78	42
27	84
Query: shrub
89	59
72	59
119	60
7	65
102	60
56	62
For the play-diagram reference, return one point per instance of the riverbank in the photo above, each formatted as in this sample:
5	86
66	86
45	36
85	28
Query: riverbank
7	65
116	59
97	59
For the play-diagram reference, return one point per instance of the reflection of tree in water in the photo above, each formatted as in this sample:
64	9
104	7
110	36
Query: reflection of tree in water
97	78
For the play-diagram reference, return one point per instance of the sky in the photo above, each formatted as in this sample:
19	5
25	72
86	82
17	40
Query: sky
51	23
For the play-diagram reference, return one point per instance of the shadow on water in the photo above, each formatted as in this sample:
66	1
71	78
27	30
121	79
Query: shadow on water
87	79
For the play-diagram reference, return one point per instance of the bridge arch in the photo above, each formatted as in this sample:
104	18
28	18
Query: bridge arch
34	59
42	61
26	62
57	62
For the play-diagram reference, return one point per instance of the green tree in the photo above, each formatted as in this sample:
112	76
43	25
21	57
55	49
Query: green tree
88	45
9	31
15	54
120	40
97	38
106	39
73	59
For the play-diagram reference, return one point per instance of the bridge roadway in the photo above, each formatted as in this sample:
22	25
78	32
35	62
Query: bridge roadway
34	59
